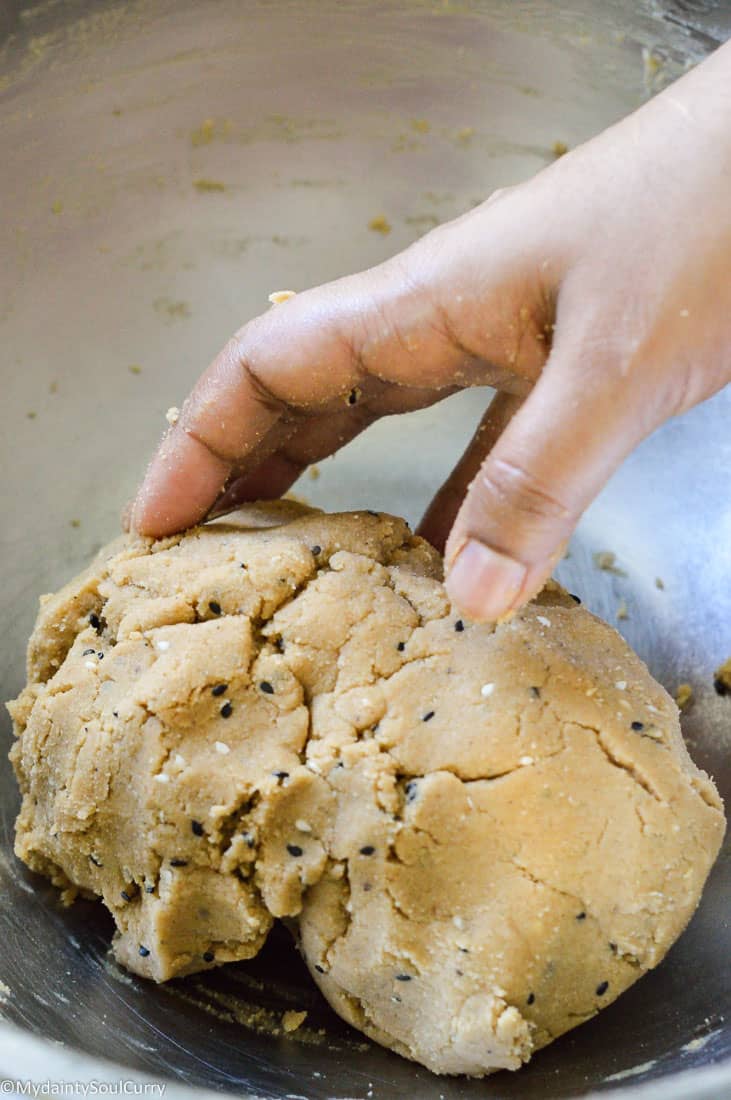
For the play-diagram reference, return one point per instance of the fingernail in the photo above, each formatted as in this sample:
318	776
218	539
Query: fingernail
483	582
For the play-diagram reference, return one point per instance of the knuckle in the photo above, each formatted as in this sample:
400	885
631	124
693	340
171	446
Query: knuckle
265	395
511	486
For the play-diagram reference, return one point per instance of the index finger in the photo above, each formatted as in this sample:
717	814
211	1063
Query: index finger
403	322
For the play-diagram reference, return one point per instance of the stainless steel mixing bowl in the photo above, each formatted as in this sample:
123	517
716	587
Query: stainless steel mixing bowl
164	166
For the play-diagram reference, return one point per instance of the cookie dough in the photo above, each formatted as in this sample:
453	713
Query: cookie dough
483	834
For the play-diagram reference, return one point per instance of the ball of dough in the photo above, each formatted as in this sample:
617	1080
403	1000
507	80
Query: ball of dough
485	834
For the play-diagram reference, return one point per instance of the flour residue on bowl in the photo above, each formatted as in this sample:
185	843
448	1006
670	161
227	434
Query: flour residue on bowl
633	1071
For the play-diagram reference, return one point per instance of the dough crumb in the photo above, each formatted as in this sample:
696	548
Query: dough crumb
134	368
659	583
464	135
421	125
683	695
559	148
278	296
313	472
208	130
380	224
722	678
622	610
205	185
173	415
170	309
607	560
291	1020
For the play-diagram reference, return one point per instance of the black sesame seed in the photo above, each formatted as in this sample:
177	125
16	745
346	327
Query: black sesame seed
115	713
401	647
100	655
248	840
315	550
403	977
366	887
95	622
281	776
266	687
574	597
294	850
721	687
465	950
581	915
371	513
215	607
459	626
411	790
226	710
535	692
613	948
178	863
95	861
144	951
197	828
367	850
530	998
602	988
638	725
208	956
125	895
428	716
149	889
219	689
86	652
319	969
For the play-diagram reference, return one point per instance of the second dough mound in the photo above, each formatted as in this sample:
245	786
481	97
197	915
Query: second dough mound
484	834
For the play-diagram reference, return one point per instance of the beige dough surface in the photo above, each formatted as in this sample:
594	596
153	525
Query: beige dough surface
484	835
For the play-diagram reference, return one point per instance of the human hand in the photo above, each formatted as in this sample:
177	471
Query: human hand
596	298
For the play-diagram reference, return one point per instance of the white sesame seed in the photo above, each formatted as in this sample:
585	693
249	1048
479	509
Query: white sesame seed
179	760
303	826
621	685
542	619
89	664
458	922
162	645
486	690
222	747
526	760
162	777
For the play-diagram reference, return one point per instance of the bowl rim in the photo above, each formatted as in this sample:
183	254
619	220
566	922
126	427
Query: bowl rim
21	1054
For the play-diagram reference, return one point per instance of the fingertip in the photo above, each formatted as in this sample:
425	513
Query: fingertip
182	482
484	583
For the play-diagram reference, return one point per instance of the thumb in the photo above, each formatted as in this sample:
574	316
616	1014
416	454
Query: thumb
547	466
